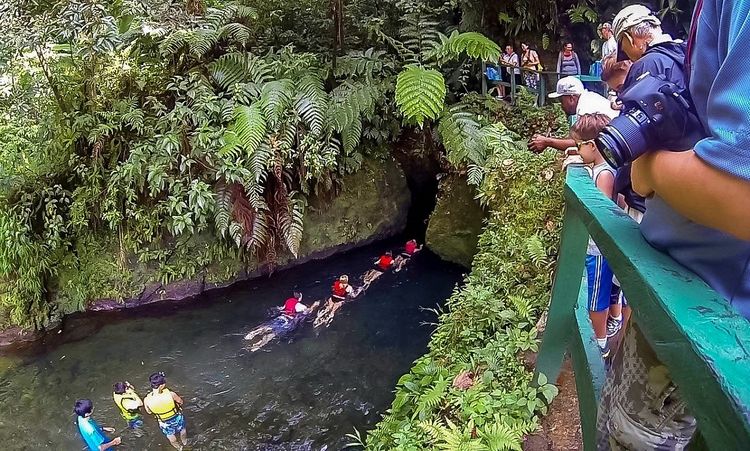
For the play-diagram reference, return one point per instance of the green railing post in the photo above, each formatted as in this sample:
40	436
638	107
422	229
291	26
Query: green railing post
696	333
512	86
561	318
589	370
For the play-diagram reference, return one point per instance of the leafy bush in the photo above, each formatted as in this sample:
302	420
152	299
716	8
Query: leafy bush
489	323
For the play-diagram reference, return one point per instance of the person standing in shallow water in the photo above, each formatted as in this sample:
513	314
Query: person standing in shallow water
129	404
166	406
91	433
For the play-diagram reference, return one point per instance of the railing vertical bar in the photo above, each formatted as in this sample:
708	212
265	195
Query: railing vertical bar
589	369
561	317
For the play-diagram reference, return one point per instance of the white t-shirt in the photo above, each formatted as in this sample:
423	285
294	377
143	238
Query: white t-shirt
591	102
300	307
609	47
511	59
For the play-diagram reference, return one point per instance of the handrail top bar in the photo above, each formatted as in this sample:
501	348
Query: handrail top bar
704	342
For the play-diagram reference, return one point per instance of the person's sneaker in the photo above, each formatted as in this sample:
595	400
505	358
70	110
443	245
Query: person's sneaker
613	326
604	350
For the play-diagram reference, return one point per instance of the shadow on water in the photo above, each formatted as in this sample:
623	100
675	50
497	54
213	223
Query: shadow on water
304	393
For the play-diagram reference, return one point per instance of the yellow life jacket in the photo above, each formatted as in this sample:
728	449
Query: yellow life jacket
161	405
126	413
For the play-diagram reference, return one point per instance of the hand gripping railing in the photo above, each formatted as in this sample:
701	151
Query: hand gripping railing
693	330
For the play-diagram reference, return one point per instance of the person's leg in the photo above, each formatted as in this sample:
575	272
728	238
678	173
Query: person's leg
599	279
183	435
257	331
173	441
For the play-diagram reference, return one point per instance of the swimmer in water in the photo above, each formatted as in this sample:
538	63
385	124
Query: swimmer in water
289	318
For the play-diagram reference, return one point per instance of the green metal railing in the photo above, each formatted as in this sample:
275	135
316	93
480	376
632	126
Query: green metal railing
693	330
544	77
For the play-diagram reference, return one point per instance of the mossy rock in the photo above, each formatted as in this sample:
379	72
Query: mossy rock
371	204
454	227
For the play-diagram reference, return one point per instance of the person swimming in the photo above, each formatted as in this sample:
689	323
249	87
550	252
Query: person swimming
289	318
410	248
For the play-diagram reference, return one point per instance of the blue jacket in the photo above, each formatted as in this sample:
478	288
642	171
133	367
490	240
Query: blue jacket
719	82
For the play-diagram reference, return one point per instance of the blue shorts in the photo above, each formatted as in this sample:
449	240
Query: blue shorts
600	284
172	426
135	423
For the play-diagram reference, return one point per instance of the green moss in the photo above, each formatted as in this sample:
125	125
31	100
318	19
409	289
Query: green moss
374	201
96	269
454	227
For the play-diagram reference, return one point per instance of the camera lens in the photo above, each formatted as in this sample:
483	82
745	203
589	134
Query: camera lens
623	140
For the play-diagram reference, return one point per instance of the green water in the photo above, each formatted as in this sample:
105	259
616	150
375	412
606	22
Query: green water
303	393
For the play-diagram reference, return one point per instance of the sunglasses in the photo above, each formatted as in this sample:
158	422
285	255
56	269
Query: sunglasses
580	144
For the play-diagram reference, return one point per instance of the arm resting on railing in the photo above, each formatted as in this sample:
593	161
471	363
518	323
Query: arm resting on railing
696	190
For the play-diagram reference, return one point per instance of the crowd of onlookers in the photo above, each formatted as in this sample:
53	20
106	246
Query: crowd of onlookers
683	174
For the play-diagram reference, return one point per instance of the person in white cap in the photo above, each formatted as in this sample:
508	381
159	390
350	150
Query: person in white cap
610	44
574	99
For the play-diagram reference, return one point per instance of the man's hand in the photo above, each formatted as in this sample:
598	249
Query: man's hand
110	430
538	143
117	441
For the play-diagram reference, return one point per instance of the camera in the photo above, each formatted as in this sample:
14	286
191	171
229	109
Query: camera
656	113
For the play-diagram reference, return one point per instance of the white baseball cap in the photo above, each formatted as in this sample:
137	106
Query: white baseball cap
567	86
631	16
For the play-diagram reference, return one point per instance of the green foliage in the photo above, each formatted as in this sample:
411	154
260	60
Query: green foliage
420	94
490	322
473	44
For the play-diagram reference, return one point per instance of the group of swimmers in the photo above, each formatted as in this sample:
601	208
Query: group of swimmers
294	311
164	404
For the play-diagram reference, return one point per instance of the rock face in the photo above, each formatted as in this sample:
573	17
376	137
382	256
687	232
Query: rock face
455	225
373	204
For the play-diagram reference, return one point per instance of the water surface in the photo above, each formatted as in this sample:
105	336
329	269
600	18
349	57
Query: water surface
303	393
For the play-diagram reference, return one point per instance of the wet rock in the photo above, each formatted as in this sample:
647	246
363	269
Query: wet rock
454	227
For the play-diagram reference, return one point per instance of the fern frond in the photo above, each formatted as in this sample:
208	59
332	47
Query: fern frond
223	207
460	133
234	32
420	94
311	103
498	436
246	133
292	222
235	68
433	396
275	98
351	135
475	45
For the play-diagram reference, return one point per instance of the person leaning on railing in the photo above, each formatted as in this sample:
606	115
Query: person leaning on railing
698	212
574	100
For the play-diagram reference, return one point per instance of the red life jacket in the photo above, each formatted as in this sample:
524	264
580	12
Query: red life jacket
338	289
410	247
290	306
385	262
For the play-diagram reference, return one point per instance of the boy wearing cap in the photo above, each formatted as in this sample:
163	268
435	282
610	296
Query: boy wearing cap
574	100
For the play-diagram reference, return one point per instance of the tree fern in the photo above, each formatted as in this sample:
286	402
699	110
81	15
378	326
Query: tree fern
420	94
473	44
460	133
235	33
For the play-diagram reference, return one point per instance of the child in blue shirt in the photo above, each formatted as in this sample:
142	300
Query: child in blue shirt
91	433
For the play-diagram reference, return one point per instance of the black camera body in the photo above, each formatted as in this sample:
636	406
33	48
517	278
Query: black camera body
656	112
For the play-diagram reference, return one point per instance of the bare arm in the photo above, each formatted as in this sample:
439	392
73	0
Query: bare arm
177	398
539	142
115	441
696	190
606	183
